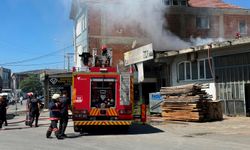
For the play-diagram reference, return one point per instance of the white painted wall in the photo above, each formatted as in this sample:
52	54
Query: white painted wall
174	74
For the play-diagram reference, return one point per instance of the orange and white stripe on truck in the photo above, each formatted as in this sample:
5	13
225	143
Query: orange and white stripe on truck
102	123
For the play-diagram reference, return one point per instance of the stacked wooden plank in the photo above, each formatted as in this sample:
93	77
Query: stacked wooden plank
214	111
188	103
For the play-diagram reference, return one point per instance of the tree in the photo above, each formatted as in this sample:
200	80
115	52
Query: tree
31	84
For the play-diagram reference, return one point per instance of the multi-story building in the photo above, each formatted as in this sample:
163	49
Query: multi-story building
5	74
207	19
120	24
1	84
168	24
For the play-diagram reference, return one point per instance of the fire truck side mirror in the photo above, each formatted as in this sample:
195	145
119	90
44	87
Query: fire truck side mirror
85	58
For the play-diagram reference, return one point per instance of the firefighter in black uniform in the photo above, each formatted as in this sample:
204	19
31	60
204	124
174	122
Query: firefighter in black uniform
5	103
54	107
34	105
65	102
2	109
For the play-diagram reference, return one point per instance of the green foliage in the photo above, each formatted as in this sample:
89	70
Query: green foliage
31	84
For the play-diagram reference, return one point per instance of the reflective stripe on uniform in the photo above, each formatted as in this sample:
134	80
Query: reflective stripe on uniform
54	118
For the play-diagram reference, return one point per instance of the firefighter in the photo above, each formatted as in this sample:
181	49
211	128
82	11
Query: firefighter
105	57
65	102
2	109
54	107
29	96
104	50
5	103
34	112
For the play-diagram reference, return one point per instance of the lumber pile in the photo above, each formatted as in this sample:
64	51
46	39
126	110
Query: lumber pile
189	103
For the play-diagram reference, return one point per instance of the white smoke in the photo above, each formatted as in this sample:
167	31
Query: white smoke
147	15
145	18
201	41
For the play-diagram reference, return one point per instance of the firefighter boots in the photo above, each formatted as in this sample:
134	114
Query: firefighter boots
58	135
48	133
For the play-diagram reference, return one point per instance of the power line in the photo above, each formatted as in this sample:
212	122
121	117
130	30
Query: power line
35	58
50	63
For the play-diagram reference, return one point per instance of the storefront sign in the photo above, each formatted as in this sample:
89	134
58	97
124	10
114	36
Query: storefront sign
139	55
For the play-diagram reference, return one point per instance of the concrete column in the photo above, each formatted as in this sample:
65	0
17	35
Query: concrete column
221	26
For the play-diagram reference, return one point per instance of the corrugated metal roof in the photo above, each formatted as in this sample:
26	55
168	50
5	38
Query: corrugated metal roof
212	4
214	45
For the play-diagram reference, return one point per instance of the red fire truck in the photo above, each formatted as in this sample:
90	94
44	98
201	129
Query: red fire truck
102	96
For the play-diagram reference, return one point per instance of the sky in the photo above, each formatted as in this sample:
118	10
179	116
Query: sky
36	31
36	34
241	3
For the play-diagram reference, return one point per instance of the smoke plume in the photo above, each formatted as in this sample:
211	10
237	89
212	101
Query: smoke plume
149	16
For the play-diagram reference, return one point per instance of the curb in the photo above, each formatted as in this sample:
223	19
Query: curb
20	121
24	111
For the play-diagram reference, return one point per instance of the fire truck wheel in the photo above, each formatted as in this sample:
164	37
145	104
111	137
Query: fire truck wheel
77	129
124	129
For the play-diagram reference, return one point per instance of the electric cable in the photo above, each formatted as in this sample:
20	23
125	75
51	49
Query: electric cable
49	63
35	58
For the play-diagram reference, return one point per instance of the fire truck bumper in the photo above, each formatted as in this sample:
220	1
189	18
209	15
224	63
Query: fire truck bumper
102	123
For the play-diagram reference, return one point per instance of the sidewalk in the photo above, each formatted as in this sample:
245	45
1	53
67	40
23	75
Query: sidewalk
17	113
17	108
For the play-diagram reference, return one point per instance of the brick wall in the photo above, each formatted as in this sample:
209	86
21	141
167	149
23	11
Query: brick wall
231	23
187	27
102	28
94	21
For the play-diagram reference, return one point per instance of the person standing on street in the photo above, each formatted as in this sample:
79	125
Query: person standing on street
65	102
29	96
54	107
34	105
5	103
2	109
21	100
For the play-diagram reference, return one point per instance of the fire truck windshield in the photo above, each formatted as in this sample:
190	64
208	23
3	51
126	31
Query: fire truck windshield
103	92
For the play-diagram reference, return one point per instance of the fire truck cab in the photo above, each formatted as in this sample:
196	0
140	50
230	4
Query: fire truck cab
102	96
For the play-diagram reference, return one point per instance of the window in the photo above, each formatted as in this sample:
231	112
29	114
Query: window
202	22
166	2
5	76
78	27
201	69
204	69
84	23
188	71
194	71
183	3
198	70
242	27
175	2
208	70
184	71
181	71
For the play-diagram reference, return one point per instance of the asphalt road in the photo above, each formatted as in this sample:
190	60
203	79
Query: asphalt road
230	134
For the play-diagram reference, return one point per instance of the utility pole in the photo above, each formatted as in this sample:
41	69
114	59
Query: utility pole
67	57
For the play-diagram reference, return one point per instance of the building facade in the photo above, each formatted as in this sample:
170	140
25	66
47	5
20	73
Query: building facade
94	28
208	23
195	22
5	75
222	65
